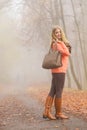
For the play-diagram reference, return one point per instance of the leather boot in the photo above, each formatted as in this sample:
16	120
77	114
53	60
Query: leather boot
47	111
59	114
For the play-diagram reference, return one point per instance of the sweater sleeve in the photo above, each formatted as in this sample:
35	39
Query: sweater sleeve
63	49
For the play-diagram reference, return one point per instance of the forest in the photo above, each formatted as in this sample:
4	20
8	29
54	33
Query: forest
25	37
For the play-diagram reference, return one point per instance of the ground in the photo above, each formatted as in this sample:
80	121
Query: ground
23	110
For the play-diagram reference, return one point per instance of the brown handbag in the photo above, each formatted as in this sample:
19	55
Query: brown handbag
53	59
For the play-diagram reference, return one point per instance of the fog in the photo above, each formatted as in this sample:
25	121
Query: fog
20	61
25	34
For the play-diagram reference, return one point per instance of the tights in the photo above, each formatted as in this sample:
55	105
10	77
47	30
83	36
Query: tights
57	85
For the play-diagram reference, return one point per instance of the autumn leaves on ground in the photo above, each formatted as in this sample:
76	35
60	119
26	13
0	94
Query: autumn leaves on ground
74	101
23	109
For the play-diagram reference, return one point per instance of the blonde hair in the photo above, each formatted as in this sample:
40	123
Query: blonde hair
54	38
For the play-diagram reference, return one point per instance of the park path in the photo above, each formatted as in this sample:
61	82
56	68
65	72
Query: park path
21	111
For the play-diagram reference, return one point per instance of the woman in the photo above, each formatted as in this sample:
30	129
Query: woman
59	42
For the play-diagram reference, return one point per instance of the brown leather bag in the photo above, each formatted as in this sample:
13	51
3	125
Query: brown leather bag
53	59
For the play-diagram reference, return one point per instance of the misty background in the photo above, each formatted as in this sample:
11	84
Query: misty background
25	34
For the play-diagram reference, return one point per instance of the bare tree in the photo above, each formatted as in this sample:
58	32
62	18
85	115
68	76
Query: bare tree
42	15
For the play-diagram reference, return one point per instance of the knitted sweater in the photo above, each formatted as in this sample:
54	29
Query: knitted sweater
65	55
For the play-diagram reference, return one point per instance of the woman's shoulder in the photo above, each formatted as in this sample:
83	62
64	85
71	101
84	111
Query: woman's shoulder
60	43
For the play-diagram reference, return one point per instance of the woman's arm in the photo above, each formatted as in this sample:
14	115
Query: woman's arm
62	48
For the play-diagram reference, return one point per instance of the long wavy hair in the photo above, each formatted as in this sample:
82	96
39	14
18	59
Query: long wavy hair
55	39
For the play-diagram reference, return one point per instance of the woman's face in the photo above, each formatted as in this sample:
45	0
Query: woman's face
58	33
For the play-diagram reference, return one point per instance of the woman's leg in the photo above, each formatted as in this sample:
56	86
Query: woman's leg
59	81
59	84
49	102
53	89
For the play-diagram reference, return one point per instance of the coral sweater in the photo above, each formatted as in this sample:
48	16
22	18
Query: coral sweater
65	55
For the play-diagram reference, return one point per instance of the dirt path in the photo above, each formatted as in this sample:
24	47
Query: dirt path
23	112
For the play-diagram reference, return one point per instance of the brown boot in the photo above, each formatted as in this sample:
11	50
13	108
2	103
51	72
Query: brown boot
48	105
59	114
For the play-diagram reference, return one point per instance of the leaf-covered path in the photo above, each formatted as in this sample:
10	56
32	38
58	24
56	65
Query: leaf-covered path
24	112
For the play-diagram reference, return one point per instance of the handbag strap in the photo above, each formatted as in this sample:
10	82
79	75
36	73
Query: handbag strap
52	45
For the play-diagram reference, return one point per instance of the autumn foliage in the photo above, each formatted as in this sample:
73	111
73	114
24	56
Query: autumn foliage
74	101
